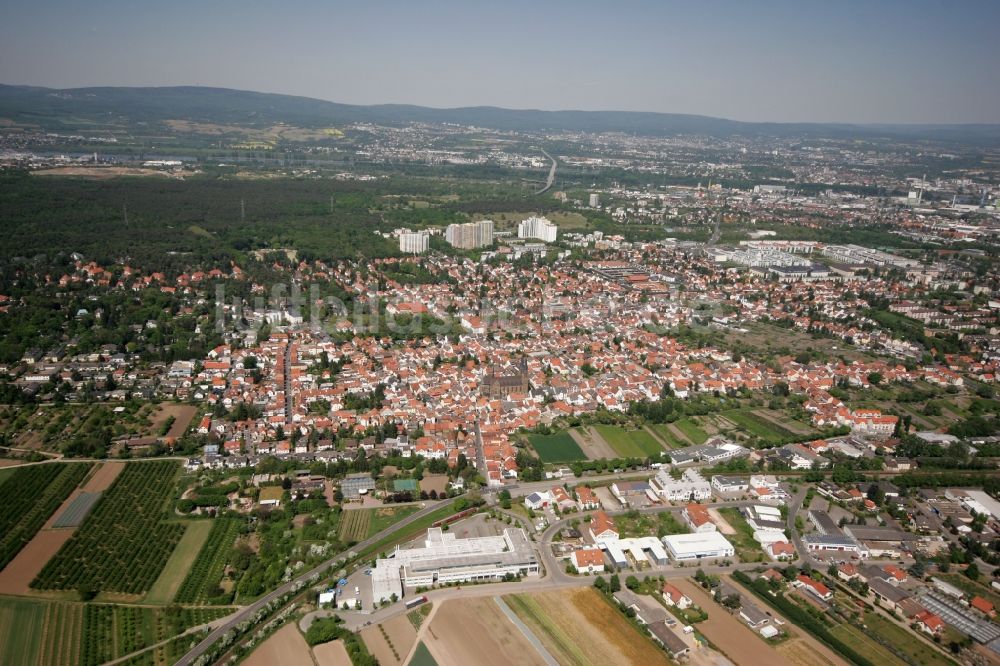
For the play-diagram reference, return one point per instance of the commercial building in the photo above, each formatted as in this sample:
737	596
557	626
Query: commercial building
415	242
537	227
834	543
595	200
470	235
684	547
444	558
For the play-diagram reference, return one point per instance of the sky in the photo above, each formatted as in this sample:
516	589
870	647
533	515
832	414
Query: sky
879	61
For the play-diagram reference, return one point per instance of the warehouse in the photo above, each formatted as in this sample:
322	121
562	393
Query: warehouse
693	546
446	559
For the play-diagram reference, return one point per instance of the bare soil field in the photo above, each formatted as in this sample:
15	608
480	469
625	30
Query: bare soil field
728	634
7	462
592	444
332	654
475	631
182	418
801	653
286	647
438	482
398	639
17	576
579	627
721	522
103	478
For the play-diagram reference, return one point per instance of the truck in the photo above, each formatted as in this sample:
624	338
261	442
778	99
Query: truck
416	601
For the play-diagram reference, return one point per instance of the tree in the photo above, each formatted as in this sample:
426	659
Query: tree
616	583
874	378
632	583
600	583
972	571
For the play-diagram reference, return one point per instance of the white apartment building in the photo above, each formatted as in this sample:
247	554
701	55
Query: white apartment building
691	486
414	242
537	227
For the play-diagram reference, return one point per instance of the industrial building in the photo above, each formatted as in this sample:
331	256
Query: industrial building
446	559
683	547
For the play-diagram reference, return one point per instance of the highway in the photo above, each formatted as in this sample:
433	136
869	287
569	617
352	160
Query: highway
248	611
552	173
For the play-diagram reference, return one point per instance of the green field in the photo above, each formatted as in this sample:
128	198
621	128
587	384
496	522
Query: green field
667	435
21	625
691	430
203	574
557	448
390	515
6	472
747	549
913	649
629	443
760	427
422	656
856	638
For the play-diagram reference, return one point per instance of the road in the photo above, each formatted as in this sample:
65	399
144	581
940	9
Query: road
552	173
248	611
289	400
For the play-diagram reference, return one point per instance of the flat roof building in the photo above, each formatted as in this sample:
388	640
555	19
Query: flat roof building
693	546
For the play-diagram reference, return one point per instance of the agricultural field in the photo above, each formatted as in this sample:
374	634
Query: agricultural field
664	432
29	497
389	515
390	641
57	633
629	443
21	628
497	642
902	642
760	427
422	656
285	646
188	576
863	644
580	626
557	448
691	430
355	525
124	543
747	549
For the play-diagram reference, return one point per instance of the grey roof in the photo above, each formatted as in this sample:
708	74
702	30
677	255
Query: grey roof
673	643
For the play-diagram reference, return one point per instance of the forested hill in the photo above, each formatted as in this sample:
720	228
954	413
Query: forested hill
79	107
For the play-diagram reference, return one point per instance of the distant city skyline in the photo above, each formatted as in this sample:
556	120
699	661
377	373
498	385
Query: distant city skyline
887	62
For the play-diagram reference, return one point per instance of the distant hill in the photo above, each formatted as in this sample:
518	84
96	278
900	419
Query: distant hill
79	107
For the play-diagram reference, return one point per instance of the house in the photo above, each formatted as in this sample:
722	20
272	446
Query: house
847	571
586	498
894	574
562	499
602	527
538	500
929	622
780	550
886	594
815	587
697	518
588	560
674	597
647	611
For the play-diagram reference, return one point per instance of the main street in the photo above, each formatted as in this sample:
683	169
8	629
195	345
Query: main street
552	173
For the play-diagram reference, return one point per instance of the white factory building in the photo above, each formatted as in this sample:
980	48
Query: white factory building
637	552
683	547
444	558
537	227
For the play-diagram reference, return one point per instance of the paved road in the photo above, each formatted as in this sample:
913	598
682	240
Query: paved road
289	406
249	611
552	174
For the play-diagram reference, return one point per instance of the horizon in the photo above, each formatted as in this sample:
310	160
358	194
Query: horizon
892	63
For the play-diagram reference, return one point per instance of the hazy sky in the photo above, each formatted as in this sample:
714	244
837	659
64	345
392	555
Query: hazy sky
872	61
